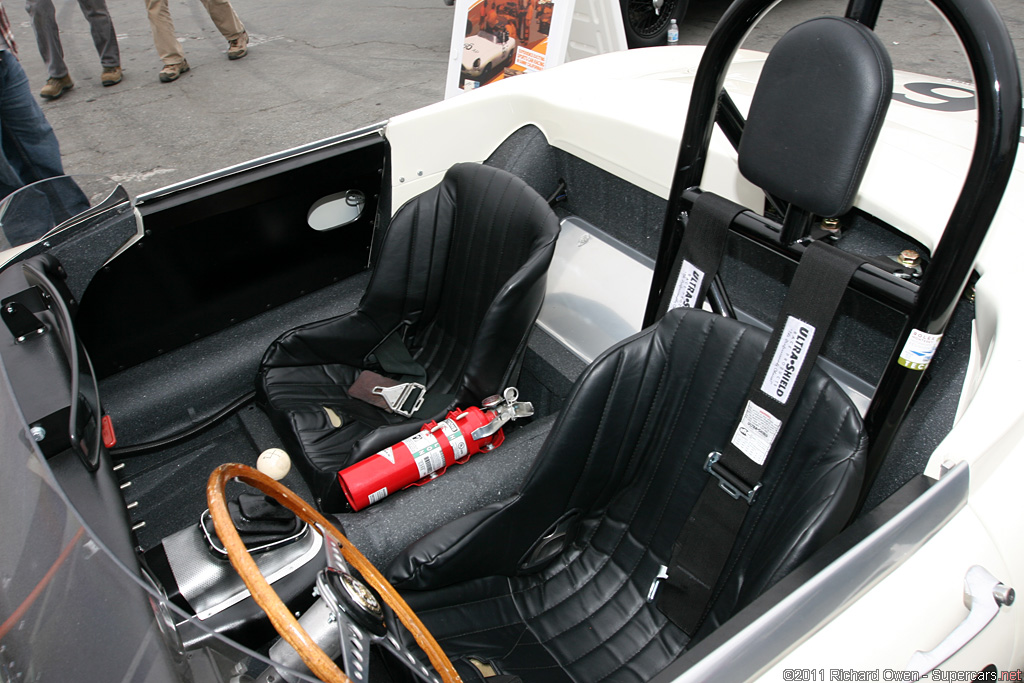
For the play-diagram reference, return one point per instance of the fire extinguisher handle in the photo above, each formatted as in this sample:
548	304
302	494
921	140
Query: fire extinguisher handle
503	411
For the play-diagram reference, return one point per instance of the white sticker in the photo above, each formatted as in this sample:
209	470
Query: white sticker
918	351
789	357
455	438
756	432
378	495
687	286
426	451
387	453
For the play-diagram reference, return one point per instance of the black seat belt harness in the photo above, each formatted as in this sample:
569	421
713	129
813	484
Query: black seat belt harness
702	548
700	254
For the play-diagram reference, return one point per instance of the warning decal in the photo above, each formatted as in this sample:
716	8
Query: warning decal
756	432
455	438
426	451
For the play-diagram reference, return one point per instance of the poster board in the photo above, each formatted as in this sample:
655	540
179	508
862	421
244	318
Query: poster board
497	39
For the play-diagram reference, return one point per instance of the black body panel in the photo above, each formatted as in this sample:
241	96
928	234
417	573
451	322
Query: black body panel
224	250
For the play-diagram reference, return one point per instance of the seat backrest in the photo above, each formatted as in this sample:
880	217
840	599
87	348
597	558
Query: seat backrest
620	472
464	266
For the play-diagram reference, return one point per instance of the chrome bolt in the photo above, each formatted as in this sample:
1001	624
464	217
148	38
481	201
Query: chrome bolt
908	258
37	432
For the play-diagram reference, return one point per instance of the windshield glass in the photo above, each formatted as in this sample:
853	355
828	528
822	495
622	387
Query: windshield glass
35	210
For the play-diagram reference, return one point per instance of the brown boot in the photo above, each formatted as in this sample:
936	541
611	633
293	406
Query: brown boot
55	87
111	75
238	46
170	72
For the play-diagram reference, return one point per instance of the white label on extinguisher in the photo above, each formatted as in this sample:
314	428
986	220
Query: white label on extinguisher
426	451
380	494
389	454
455	438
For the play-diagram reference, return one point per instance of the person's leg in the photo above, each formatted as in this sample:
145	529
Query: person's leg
44	23
102	29
224	18
30	148
164	38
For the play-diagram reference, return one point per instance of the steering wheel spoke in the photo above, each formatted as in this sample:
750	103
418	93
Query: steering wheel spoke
355	649
332	550
401	653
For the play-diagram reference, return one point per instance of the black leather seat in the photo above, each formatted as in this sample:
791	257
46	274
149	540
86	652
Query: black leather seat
619	473
460	277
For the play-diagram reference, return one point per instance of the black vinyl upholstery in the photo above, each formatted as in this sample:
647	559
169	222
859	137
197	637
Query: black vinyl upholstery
461	274
816	114
625	463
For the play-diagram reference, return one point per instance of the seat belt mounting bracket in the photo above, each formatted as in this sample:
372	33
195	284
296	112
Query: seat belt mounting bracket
398	396
727	481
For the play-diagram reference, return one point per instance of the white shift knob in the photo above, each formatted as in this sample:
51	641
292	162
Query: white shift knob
274	463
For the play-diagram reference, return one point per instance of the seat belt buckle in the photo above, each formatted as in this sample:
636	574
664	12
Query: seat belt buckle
398	396
727	481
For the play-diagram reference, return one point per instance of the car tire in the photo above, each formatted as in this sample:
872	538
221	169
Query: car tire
643	27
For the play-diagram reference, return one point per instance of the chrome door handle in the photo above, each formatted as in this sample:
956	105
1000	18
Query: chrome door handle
984	594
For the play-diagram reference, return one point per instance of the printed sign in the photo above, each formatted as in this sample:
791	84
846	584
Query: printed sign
497	39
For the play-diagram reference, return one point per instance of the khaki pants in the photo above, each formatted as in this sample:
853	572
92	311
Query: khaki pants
167	45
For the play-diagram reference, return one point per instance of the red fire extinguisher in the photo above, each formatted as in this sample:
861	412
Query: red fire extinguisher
429	452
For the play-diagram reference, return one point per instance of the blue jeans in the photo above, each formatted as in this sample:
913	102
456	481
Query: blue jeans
30	153
30	149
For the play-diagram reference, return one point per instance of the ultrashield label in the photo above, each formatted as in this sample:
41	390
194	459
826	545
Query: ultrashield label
687	286
789	357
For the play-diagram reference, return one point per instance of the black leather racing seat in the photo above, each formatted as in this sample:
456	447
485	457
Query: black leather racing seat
619	473
459	279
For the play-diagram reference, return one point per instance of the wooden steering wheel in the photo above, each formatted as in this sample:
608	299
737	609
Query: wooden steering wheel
267	598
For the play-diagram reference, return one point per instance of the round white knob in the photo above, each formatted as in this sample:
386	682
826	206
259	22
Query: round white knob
274	463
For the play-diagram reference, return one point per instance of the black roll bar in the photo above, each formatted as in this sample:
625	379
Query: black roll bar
990	53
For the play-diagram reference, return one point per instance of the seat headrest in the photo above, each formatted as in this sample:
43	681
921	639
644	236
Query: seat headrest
816	114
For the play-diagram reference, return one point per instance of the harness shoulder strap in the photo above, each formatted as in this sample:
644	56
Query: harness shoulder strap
700	254
705	541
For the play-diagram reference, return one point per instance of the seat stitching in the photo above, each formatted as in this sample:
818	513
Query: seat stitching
682	467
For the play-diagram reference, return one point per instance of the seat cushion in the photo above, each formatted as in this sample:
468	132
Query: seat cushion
299	397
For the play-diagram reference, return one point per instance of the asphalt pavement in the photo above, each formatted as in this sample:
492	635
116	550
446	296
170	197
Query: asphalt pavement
318	68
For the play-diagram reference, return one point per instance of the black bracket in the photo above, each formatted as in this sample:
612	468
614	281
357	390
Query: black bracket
18	312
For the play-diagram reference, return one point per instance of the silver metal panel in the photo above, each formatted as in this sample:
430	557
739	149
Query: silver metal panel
211	585
597	290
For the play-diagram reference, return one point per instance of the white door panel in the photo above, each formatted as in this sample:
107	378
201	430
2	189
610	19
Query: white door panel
913	608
